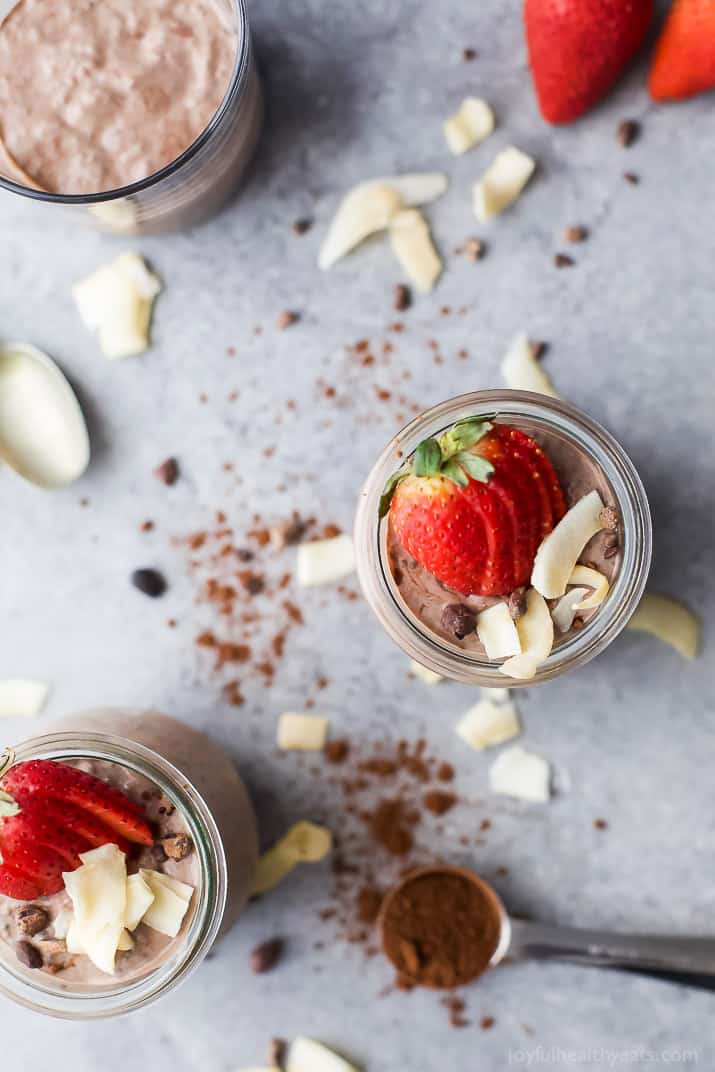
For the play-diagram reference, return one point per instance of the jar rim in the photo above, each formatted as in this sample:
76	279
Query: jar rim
235	87
585	433
211	894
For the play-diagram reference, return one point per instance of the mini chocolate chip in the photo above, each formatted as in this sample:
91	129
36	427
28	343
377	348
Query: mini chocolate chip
609	518
517	602
474	249
149	581
31	919
600	824
176	846
265	956
628	132
28	955
469	54
276	1053
301	226
168	472
458	619
286	319
403	298
631	177
578	623
561	260
575	234
538	349
244	555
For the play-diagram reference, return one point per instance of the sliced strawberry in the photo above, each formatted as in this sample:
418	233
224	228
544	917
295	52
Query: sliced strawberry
58	781
39	863
15	884
542	472
84	825
513	482
35	825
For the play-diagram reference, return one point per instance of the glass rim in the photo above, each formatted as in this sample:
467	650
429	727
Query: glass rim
238	76
599	630
34	990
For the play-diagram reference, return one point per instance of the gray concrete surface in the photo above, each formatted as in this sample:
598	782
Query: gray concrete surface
355	90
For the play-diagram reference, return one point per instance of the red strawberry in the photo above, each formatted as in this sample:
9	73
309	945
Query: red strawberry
578	48
684	60
41	864
57	781
13	883
34	826
473	506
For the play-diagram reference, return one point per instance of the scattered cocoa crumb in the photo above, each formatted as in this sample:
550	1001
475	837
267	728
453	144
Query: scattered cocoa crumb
146	526
276	1052
265	956
168	472
337	751
561	260
474	249
331	531
294	613
232	693
455	1008
469	54
575	234
445	772
390	827
538	349
485	824
628	132
517	603
631	177
382	394
368	904
439	802
30	920
600	824
487	1022
402	297
252	582
286	319
301	227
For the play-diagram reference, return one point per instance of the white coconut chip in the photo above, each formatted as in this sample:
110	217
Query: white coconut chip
411	243
298	732
497	632
22	697
559	552
471	123
325	561
363	212
521	774
669	621
522	372
495	695
594	579
116	301
565	611
502	182
307	1055
423	673
536	636
488	723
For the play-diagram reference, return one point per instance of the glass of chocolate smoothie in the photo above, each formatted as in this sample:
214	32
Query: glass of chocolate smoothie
188	855
503	538
142	115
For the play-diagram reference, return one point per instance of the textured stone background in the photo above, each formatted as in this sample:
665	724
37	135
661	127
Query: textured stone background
355	90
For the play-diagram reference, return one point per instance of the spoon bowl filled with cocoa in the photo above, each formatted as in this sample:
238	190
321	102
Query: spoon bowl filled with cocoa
443	927
503	535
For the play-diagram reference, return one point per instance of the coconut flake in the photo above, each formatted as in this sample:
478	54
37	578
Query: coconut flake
497	632
307	1055
488	723
536	636
522	372
594	579
429	677
559	552
521	774
412	245
116	301
471	123
325	561
415	189
669	621
298	732
363	212
564	612
502	182
22	697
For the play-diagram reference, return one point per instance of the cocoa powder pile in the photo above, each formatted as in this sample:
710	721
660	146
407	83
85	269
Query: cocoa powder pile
440	929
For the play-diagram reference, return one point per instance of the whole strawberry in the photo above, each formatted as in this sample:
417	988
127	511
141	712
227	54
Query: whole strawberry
473	506
684	60
578	48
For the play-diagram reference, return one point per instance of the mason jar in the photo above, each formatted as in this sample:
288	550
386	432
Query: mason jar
198	779
572	433
190	188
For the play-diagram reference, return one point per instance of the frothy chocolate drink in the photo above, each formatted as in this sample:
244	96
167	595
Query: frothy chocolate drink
99	94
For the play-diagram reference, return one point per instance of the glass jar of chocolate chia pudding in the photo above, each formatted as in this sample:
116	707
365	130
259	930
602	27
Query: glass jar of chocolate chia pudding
410	575
190	793
139	115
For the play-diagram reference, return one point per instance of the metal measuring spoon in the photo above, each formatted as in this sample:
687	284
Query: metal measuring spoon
686	960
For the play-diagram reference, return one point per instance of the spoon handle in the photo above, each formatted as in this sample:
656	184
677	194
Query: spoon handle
647	953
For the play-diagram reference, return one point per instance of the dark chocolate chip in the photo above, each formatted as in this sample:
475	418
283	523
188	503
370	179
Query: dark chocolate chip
538	349
561	260
628	132
632	178
168	472
575	234
403	297
301	226
469	54
31	919
459	620
265	956
474	249
286	319
276	1053
28	955
517	602
149	581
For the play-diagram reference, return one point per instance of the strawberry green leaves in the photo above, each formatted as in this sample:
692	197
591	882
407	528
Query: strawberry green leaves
449	456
